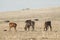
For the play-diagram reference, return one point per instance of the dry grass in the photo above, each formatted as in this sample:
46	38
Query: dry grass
38	33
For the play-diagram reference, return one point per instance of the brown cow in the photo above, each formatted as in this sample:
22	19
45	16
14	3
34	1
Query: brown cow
28	24
12	24
47	24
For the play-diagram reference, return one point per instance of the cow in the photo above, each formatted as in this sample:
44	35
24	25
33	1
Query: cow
29	24
12	24
47	24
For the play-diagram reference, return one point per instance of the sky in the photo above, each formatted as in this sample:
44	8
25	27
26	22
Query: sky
11	5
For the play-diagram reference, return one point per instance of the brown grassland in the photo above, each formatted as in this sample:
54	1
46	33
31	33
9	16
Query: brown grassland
19	17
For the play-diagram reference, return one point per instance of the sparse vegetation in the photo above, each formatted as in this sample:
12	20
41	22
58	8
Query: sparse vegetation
38	33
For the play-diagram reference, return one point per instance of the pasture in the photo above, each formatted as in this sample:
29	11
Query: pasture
38	33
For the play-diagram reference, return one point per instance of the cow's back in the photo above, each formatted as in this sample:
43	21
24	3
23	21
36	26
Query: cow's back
11	24
48	23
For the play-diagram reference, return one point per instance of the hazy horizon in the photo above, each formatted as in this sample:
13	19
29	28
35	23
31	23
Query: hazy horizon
11	5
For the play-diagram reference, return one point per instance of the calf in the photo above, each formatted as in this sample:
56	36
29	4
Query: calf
12	24
47	24
29	23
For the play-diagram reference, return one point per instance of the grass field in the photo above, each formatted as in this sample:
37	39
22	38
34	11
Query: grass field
19	17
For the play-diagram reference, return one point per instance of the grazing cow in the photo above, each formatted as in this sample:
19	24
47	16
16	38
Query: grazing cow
12	24
28	24
47	24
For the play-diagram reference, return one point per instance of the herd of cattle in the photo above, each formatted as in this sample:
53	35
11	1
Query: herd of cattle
30	23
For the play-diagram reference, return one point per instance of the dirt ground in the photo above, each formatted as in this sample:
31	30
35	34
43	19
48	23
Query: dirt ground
37	34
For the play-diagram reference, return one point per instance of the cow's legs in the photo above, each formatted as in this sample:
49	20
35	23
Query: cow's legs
15	28
46	28
50	28
32	27
25	28
28	28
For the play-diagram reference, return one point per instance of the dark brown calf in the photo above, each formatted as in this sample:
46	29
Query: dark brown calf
12	24
29	24
47	24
